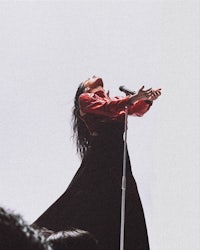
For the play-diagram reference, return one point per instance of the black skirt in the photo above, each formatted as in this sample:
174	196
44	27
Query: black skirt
92	201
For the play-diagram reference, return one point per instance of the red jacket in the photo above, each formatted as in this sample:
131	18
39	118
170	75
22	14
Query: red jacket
97	106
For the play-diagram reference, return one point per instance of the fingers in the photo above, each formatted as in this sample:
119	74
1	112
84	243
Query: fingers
155	94
145	91
149	93
141	88
150	89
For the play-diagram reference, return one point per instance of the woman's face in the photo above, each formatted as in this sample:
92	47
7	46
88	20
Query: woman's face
93	84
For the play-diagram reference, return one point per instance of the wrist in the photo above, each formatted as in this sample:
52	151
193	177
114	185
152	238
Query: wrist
133	98
150	102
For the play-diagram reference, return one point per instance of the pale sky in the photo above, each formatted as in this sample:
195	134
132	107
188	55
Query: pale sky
47	48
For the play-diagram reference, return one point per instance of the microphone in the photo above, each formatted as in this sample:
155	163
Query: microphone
126	91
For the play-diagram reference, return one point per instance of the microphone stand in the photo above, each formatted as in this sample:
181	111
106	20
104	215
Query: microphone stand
123	197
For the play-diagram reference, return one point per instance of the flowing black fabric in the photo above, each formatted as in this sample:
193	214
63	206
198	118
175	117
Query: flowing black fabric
92	201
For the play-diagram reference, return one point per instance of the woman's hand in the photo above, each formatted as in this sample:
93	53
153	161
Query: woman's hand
141	95
144	94
155	94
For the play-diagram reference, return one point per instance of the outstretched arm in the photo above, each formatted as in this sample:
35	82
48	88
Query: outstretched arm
137	104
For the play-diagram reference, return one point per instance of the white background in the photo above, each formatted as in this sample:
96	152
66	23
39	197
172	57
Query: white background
47	48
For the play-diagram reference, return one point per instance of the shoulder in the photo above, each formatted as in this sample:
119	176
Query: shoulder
86	97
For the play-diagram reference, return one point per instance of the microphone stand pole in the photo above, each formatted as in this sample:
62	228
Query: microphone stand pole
123	197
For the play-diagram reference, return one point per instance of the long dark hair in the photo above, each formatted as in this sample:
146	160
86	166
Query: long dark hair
80	131
17	234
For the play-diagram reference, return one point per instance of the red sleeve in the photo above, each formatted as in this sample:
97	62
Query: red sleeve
139	108
91	103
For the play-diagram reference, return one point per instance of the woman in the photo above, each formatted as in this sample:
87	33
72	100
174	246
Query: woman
92	202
